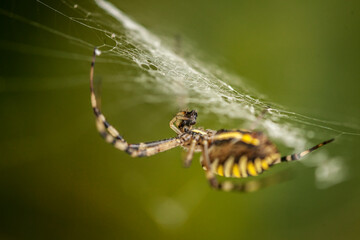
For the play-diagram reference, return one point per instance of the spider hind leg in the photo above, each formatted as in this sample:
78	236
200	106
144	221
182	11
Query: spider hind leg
297	156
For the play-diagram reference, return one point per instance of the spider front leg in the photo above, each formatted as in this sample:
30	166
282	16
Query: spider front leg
111	135
179	116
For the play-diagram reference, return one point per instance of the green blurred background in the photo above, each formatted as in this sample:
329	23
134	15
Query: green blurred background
59	180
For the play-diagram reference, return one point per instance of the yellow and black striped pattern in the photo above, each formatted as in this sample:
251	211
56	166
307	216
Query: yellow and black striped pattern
237	136
297	156
242	167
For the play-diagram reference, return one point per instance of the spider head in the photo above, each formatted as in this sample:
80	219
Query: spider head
189	120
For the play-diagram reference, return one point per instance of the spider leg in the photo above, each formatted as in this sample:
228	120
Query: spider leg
179	116
190	154
142	149
151	148
297	156
210	176
111	135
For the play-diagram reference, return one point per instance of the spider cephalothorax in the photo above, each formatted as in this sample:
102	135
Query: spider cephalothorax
229	153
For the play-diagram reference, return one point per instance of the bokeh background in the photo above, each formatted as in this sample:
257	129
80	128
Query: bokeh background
59	180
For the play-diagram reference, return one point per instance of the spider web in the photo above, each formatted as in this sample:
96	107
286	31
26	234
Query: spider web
182	80
196	84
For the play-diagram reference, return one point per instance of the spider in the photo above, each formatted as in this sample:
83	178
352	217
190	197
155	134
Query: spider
228	153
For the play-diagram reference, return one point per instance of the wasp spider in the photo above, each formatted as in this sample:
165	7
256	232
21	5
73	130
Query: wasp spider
229	153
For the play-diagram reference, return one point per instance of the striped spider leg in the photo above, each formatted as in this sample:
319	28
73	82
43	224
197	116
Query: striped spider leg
228	153
111	135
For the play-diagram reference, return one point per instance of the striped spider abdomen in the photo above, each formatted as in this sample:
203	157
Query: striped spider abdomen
240	153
